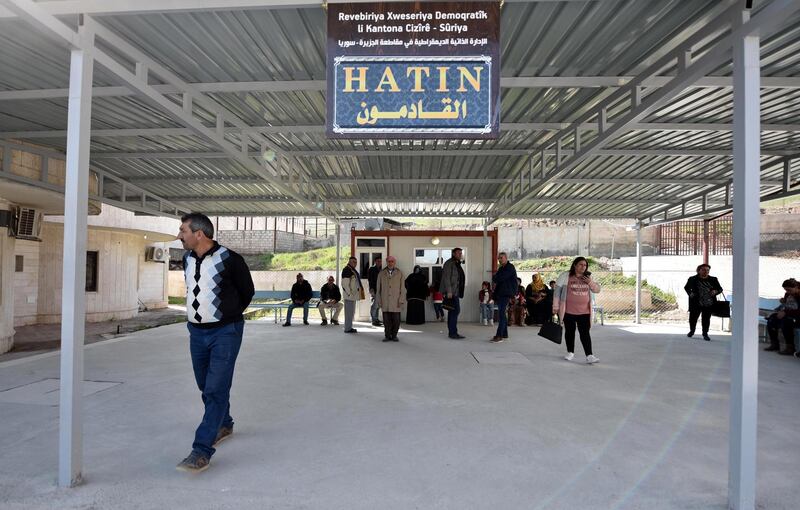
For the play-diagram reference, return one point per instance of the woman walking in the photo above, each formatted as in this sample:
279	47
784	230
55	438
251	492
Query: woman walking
702	290
573	303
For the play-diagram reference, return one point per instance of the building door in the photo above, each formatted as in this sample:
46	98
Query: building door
367	250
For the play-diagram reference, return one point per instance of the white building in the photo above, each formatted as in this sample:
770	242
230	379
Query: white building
126	267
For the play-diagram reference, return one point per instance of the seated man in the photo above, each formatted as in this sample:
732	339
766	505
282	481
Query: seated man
786	318
301	295
330	298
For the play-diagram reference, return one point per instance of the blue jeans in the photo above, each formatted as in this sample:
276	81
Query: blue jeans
437	307
486	312
214	353
292	307
502	316
452	317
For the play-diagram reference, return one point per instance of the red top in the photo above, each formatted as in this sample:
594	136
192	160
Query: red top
579	297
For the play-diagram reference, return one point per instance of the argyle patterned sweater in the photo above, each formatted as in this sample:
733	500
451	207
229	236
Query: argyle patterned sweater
218	287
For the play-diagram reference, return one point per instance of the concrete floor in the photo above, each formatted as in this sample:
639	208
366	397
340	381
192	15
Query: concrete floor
332	421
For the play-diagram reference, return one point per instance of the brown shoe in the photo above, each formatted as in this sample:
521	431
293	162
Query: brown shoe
772	348
223	434
194	463
496	339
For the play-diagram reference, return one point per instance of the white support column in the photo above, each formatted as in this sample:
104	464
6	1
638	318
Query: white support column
486	269
338	252
744	341
73	297
638	272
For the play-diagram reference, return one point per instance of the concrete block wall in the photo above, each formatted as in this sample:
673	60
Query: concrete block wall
255	242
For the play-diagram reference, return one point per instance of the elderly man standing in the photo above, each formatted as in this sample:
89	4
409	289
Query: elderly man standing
452	286
218	290
391	296
330	298
301	296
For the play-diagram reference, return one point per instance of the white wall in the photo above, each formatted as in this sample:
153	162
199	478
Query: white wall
669	273
7	248
118	274
402	248
26	283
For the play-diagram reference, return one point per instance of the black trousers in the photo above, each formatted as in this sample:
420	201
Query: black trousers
706	321
583	322
391	324
787	325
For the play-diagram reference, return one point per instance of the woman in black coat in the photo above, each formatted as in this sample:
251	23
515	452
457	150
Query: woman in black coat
416	294
702	290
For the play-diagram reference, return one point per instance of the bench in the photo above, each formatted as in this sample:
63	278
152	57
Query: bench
282	300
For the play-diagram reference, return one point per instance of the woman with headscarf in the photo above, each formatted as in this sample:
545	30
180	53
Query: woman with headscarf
416	294
536	299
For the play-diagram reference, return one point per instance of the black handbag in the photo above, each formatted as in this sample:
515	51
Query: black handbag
552	331
449	303
721	308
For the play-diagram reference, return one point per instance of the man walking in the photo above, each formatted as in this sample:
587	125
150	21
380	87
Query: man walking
391	296
452	286
352	291
301	296
218	290
372	278
330	298
505	288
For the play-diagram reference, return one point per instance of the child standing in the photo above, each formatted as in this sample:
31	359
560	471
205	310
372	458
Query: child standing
486	301
438	297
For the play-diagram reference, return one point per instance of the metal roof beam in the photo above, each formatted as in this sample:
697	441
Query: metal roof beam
637	107
139	81
134	198
274	130
272	86
404	153
117	7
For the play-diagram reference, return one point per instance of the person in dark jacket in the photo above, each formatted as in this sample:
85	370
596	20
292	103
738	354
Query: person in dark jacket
416	295
786	318
702	290
218	290
452	286
330	298
301	296
505	288
372	278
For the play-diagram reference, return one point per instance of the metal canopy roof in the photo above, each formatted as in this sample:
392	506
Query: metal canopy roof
566	67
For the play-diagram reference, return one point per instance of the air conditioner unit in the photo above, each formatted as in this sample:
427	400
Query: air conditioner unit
28	224
156	254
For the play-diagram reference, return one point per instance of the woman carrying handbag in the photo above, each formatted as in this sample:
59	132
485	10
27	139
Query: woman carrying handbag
572	301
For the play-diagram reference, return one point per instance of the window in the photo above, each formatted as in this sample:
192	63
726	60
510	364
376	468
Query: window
431	261
91	271
19	264
377	243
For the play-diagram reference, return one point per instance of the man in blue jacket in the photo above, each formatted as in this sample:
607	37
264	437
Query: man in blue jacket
505	287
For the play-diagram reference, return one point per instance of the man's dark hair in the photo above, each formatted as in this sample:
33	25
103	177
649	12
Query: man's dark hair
352	258
790	283
454	250
701	266
199	221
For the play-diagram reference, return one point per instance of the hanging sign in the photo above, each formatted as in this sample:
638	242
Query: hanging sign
413	70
